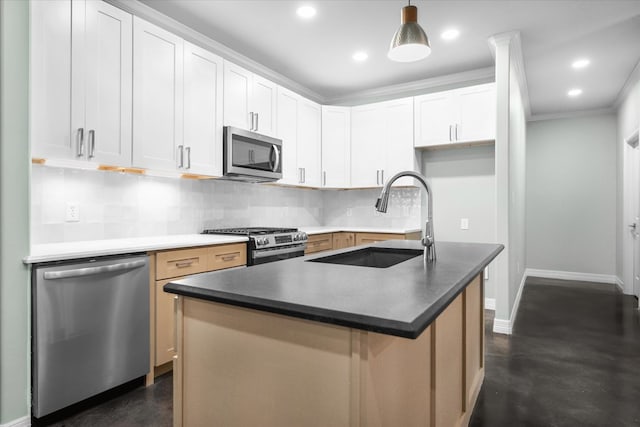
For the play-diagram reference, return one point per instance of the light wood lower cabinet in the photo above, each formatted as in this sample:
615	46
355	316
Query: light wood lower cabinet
173	265
343	240
240	367
319	243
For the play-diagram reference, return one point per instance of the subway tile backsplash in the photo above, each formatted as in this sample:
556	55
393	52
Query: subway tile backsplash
117	205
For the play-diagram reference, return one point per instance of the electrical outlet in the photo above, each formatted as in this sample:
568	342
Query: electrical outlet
349	212
464	223
73	212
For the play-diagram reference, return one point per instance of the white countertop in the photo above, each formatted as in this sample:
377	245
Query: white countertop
321	230
93	248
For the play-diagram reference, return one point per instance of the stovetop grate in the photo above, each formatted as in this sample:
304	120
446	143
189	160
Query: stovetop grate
246	231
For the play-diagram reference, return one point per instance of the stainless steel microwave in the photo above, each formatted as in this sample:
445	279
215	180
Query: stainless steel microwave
250	156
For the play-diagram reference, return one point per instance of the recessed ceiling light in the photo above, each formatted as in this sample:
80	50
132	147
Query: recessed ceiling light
360	56
574	92
580	63
450	34
306	12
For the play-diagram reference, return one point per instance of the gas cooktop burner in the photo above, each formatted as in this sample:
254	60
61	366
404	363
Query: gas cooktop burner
250	231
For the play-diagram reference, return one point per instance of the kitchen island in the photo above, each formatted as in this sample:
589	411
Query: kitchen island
303	343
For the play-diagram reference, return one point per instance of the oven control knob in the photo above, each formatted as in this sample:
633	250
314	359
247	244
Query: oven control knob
303	236
264	241
296	237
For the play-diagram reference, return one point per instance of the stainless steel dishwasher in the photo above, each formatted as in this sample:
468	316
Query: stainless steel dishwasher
90	328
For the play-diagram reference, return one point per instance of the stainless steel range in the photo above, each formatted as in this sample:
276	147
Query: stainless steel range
268	244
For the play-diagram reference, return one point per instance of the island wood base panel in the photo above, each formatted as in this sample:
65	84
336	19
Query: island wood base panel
242	367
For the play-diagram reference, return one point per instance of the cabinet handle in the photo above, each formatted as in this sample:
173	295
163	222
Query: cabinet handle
257	122
80	142
229	257
188	149
304	175
324	178
184	264
456	132
381	176
180	156
377	177
449	133
251	119
92	143
299	175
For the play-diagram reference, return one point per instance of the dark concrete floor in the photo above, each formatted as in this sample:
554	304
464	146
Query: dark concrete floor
573	360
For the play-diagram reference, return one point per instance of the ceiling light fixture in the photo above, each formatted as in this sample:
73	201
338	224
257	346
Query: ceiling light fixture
574	92
450	34
306	12
580	63
360	56
409	43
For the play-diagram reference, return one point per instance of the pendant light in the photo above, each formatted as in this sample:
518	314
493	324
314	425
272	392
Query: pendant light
409	43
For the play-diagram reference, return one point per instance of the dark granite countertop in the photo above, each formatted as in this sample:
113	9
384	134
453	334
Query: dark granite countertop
401	300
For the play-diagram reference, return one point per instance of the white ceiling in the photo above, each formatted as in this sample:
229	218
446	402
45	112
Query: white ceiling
317	53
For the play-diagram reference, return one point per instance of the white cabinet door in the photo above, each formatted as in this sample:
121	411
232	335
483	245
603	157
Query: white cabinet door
108	78
309	139
202	111
50	103
367	154
263	105
398	140
477	113
250	102
434	119
237	95
157	97
287	131
336	147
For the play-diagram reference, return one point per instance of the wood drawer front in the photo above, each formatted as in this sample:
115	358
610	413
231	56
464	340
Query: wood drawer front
165	324
368	238
227	256
319	243
180	263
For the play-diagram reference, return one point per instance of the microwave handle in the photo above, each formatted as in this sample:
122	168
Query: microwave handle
276	163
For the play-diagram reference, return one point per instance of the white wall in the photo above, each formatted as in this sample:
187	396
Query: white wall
14	211
463	184
628	122
571	195
115	205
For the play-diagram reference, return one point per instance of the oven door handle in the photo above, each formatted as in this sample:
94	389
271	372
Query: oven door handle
271	252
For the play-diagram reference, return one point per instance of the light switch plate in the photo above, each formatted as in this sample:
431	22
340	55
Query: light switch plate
73	212
464	223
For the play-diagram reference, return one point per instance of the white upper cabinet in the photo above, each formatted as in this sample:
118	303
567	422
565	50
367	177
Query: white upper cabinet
249	100
299	122
309	142
203	73
336	147
382	143
157	98
81	81
456	116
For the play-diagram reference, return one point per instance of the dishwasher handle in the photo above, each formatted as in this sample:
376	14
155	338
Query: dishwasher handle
91	271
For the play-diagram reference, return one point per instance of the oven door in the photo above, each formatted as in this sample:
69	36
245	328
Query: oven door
263	256
249	154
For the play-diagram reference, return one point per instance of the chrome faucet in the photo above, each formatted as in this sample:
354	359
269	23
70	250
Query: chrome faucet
428	241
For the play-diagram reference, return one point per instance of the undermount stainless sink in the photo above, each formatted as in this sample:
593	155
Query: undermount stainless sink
371	257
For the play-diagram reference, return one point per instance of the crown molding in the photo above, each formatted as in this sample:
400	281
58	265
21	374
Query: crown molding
632	80
434	84
147	13
513	40
572	114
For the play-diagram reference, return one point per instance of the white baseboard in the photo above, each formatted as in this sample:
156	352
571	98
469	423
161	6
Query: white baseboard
490	304
620	285
571	275
505	326
20	422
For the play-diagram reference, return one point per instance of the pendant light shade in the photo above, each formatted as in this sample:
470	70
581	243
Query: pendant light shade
410	43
